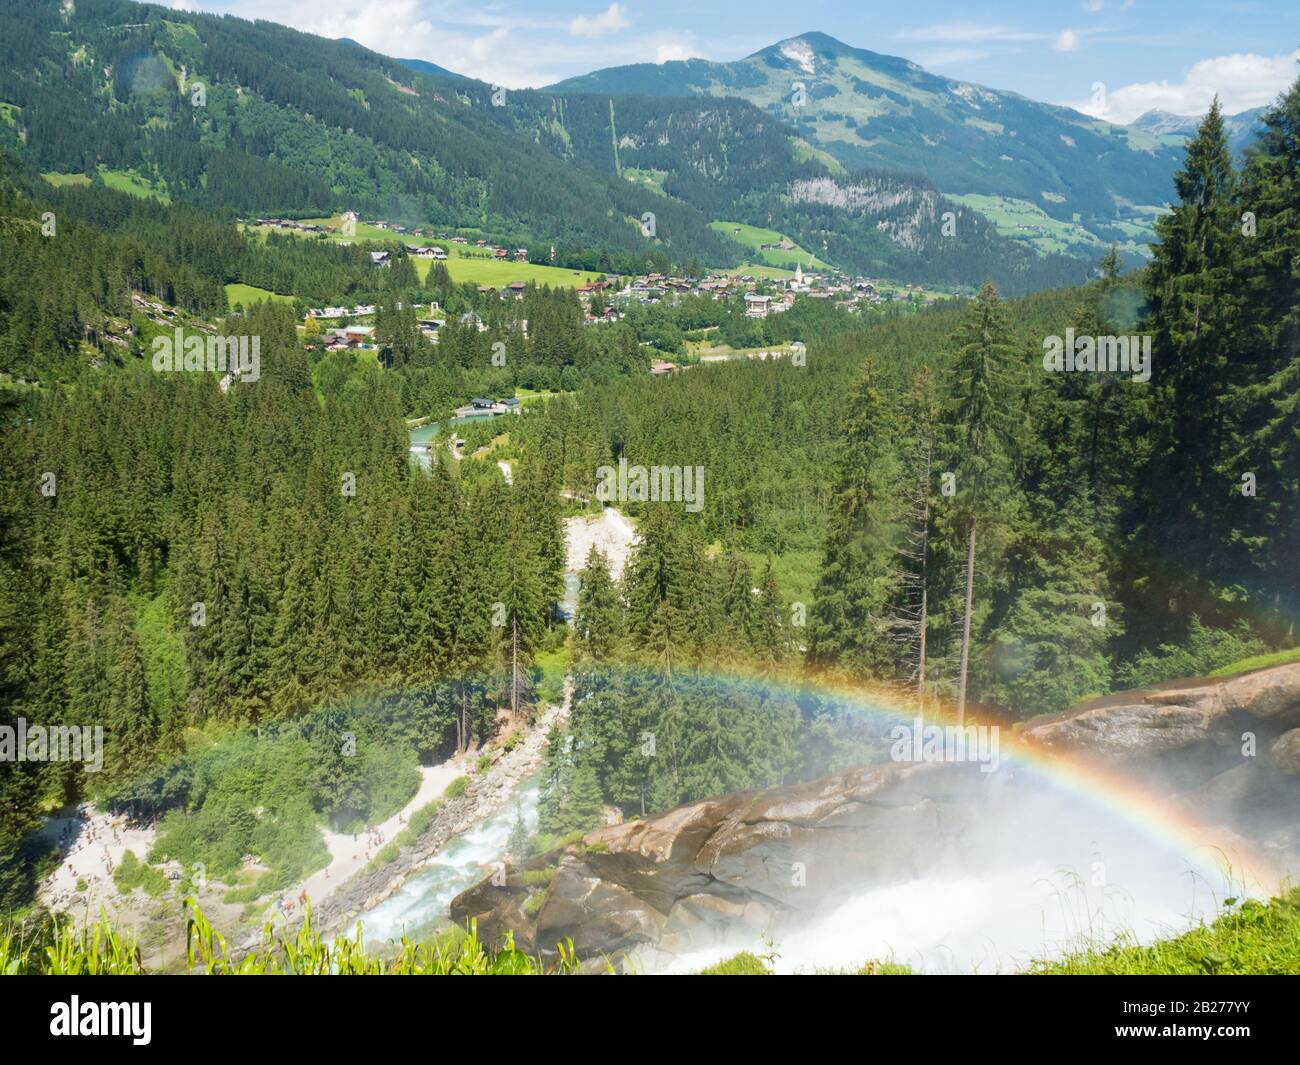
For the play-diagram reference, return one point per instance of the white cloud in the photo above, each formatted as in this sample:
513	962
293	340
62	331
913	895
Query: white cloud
1066	41
503	45
1241	82
610	20
672	50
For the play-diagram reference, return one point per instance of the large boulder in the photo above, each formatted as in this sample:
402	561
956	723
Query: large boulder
750	858
1173	717
1285	752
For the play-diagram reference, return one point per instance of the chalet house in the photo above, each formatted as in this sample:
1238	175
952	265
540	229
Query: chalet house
438	253
380	258
757	306
660	368
521	255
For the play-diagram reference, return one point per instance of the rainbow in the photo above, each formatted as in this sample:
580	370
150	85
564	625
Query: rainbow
1235	860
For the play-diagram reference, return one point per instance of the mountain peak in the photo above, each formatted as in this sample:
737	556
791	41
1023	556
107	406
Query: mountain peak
805	44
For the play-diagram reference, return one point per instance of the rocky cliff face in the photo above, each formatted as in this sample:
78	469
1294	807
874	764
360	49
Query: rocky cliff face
762	861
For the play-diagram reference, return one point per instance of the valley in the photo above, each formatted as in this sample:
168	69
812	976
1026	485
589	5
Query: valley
784	514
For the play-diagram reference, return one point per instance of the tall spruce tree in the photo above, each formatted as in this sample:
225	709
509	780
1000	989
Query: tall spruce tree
860	573
1267	407
1195	314
979	415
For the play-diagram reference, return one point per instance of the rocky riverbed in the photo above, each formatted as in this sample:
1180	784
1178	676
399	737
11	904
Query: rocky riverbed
486	794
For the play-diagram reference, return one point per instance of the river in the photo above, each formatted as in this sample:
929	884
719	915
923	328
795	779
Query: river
420	905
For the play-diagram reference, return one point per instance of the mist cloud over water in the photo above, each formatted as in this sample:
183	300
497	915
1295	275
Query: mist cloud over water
1041	873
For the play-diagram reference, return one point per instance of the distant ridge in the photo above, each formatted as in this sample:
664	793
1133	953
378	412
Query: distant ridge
422	66
1097	182
1242	128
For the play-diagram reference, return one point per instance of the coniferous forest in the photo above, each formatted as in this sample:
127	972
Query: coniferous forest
280	616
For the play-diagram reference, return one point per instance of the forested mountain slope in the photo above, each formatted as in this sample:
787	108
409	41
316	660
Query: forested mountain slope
732	161
884	112
256	118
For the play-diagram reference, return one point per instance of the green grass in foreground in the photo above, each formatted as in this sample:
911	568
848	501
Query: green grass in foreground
101	951
742	964
1254	938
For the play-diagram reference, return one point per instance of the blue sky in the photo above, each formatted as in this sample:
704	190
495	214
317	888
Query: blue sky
1171	54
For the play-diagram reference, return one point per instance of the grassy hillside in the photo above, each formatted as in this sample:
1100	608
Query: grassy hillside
247	295
464	263
753	237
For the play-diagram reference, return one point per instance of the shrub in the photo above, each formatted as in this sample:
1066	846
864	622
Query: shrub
131	873
1204	650
534	903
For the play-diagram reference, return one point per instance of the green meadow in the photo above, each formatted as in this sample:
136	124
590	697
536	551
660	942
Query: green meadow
247	295
465	264
127	181
752	237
